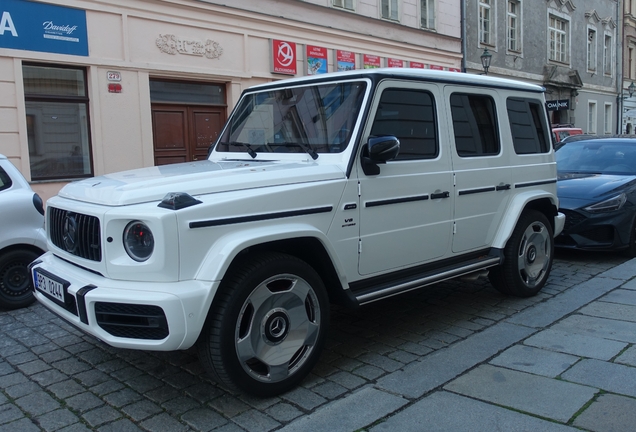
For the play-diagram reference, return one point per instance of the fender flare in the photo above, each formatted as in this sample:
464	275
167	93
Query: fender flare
514	210
226	248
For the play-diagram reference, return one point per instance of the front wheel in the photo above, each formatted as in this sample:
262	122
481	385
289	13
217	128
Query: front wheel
16	288
528	257
267	325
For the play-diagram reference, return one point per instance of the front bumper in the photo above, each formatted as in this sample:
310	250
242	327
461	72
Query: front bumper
559	223
600	231
126	314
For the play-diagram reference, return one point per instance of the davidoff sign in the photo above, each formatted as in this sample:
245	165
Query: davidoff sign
171	44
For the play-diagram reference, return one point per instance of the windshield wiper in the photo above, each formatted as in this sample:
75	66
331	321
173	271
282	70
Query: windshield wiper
246	145
311	152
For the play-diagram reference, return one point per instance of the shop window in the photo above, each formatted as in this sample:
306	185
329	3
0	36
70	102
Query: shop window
186	92
57	122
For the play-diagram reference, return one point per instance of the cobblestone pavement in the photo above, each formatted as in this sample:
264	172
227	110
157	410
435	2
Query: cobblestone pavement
53	377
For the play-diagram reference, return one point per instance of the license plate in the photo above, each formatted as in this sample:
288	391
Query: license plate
50	285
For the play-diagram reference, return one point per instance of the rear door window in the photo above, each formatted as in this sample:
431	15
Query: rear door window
527	125
474	125
5	180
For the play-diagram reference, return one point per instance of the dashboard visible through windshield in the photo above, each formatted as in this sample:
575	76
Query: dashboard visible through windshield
309	119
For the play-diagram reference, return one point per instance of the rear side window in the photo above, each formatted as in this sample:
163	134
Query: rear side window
474	125
5	180
408	115
528	126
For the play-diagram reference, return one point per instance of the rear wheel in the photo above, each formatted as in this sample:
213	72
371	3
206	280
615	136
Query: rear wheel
15	279
267	325
528	257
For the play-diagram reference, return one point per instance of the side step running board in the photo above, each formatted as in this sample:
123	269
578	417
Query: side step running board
428	279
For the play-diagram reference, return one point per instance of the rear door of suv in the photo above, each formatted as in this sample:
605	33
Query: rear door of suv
481	165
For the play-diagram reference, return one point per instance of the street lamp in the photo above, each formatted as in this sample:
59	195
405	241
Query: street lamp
486	57
631	89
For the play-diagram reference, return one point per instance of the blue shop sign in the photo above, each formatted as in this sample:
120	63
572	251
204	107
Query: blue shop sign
32	26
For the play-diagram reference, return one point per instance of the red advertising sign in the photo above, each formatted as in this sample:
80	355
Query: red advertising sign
371	61
418	65
436	67
454	70
345	60
316	60
395	63
283	57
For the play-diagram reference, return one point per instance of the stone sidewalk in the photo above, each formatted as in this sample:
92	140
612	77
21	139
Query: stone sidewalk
458	356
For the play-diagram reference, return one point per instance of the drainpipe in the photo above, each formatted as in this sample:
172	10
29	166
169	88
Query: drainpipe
620	102
464	43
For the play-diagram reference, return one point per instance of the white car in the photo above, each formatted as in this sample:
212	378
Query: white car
346	187
22	236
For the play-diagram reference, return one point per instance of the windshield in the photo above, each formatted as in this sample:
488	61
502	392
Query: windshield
312	119
602	157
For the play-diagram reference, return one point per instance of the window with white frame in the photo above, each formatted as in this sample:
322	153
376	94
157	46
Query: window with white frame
607	55
485	22
558	29
427	14
591	49
631	63
607	119
514	25
344	4
390	9
591	117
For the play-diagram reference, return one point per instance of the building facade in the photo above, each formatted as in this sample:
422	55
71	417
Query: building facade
571	47
93	87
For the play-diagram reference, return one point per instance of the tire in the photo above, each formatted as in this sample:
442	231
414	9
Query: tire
528	257
267	325
16	286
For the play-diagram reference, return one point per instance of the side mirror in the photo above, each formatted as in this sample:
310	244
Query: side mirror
384	148
377	151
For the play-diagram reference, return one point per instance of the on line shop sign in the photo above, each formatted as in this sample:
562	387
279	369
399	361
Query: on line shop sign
34	26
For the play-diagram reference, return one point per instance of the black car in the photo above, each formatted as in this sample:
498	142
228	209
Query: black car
597	194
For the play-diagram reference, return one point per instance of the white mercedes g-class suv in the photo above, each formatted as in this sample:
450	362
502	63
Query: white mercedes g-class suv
346	187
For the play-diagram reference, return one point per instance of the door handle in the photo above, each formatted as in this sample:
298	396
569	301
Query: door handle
502	187
440	195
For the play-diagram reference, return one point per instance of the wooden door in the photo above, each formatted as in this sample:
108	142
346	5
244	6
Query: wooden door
183	133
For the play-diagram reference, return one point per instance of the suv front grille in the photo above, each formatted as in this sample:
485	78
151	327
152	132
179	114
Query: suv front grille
75	233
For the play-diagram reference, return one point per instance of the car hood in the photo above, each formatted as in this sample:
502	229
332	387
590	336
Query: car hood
584	188
195	178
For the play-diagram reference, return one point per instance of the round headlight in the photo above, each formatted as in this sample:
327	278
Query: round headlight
138	241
